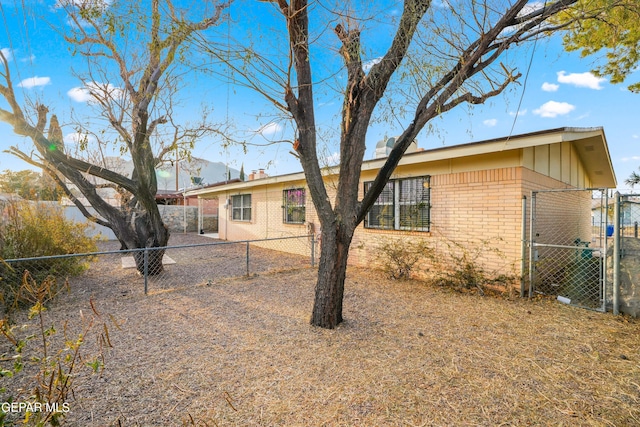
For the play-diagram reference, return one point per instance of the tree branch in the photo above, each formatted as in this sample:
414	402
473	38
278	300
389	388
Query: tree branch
437	99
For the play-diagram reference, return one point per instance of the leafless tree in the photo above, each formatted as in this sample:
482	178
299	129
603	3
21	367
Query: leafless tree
133	54
438	55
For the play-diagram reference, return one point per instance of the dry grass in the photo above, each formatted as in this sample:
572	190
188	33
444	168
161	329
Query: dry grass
241	352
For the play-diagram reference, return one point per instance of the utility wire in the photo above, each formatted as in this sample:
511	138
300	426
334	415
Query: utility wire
524	84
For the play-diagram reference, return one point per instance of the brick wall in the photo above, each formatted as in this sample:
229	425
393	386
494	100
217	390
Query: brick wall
267	219
476	209
468	208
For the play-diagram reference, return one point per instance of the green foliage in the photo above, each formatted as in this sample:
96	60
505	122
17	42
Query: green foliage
612	27
36	230
43	363
399	258
29	185
633	180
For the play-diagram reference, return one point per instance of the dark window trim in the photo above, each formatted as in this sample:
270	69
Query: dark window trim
403	200
293	213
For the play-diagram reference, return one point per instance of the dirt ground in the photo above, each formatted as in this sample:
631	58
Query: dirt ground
241	352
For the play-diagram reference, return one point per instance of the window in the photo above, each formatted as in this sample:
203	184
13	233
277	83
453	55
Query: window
241	207
293	206
404	204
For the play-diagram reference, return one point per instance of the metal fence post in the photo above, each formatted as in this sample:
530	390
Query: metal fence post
313	250
532	217
247	259
146	269
523	253
604	263
616	254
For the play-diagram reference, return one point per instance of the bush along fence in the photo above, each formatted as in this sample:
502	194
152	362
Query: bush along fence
182	266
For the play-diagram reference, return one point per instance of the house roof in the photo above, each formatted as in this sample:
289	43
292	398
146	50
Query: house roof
9	197
589	143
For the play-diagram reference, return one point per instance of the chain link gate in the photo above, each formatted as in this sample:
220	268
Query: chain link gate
628	260
568	233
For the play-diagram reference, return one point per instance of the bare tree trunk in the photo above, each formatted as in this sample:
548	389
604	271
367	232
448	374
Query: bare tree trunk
157	236
327	307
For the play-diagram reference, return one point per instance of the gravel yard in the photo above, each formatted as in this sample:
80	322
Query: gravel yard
240	352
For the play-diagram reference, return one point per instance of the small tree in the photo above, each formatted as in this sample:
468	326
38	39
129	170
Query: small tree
633	180
47	368
29	185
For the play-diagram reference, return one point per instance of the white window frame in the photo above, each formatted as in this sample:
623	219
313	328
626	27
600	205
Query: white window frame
241	203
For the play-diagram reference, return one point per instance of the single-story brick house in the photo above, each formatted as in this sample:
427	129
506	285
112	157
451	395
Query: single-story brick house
463	193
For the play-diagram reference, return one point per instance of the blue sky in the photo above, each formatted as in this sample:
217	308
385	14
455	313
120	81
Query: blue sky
559	92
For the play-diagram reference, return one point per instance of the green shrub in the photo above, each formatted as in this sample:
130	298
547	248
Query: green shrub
462	267
39	367
36	230
399	258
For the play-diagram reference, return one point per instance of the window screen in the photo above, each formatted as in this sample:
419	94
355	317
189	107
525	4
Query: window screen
293	206
404	204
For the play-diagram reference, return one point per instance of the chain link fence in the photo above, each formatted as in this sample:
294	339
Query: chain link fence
628	277
134	272
568	246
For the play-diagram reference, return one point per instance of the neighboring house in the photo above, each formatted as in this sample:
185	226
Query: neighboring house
463	193
205	219
178	198
629	215
191	174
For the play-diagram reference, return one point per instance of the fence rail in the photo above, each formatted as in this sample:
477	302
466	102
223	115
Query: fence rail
184	265
568	245
584	247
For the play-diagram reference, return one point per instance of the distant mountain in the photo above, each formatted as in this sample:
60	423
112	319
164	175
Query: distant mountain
194	173
189	173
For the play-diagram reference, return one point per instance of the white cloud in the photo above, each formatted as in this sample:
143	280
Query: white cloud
76	138
490	122
92	90
532	7
368	64
527	9
550	87
333	159
7	53
443	4
518	113
632	158
270	129
79	94
36	81
635	136
83	3
587	80
553	109
29	58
